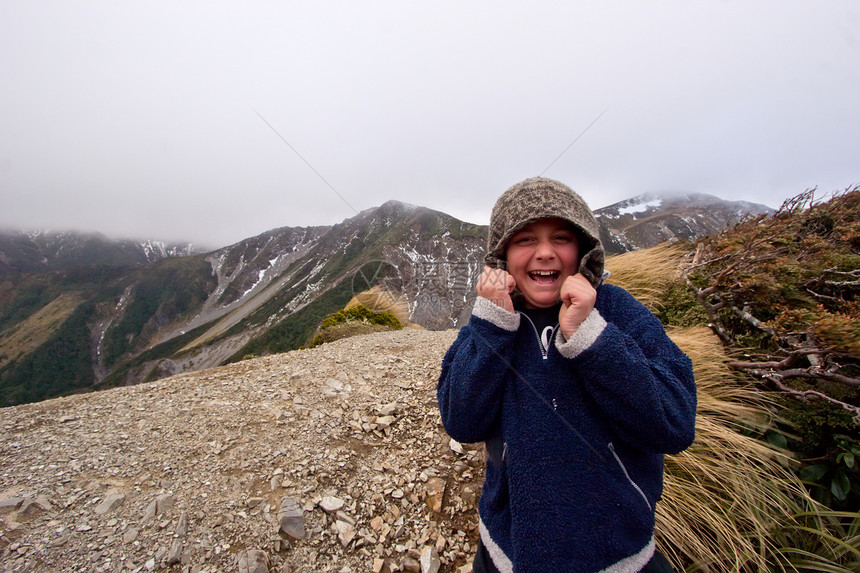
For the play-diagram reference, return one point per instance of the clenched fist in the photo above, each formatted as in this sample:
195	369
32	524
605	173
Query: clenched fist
496	285
577	299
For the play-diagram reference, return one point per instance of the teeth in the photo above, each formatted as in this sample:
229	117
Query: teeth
543	273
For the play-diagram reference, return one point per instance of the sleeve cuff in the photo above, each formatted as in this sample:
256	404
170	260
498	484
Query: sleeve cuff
584	336
492	312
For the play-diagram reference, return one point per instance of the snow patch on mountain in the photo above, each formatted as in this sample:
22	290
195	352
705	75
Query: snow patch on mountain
640	207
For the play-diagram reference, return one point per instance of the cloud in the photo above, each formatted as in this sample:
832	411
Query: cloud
140	119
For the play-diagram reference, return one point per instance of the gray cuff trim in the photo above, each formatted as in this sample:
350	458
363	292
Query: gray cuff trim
492	312
584	336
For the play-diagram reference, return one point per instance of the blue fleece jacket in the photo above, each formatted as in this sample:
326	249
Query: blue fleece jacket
575	432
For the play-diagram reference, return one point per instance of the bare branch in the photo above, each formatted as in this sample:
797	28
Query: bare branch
764	369
819	295
807	395
760	365
702	295
843	283
744	314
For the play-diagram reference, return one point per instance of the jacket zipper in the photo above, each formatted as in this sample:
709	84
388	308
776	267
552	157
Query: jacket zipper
627	475
544	351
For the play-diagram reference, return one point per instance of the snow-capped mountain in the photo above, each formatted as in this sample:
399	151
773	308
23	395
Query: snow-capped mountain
651	218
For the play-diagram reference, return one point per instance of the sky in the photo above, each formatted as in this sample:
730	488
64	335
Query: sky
215	121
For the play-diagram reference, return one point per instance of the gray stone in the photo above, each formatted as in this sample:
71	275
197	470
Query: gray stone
291	518
388	409
182	526
160	554
343	516
163	502
10	504
110	503
430	562
175	553
381	566
345	532
130	535
43	503
151	509
29	508
331	504
253	561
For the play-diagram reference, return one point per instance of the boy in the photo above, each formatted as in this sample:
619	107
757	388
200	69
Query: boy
575	389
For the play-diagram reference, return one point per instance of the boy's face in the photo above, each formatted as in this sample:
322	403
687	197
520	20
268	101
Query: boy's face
540	256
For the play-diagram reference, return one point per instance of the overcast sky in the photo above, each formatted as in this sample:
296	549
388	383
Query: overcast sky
158	119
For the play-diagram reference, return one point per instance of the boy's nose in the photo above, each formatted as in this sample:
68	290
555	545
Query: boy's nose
544	250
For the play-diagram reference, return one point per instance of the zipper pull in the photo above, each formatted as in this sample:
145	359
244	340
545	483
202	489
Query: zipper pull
545	337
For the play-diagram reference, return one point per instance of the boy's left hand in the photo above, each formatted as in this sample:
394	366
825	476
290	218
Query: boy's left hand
577	300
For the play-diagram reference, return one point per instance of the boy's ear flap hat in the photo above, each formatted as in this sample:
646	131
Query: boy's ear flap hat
541	198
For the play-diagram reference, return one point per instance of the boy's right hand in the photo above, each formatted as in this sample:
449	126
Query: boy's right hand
496	285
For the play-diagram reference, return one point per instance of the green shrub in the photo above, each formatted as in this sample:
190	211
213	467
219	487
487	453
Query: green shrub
361	313
678	306
783	293
353	321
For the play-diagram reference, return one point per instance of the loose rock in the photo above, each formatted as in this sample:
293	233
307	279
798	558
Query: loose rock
331	504
292	519
110	502
243	457
253	561
430	560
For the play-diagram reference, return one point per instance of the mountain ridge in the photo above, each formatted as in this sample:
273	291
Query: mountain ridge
268	293
37	251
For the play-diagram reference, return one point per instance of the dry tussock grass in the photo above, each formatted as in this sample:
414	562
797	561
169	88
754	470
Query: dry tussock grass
379	299
646	273
726	494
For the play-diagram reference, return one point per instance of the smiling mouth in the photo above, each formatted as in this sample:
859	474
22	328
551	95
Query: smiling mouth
544	277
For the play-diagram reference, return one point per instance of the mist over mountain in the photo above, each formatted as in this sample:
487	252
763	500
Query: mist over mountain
81	312
28	252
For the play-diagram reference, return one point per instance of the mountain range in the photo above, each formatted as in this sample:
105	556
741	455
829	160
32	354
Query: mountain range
81	312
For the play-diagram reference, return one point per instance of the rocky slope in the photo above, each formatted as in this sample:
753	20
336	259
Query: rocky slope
198	472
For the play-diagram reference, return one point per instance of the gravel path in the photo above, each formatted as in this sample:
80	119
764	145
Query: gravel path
194	473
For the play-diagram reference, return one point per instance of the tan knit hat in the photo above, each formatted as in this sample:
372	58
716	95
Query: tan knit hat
541	198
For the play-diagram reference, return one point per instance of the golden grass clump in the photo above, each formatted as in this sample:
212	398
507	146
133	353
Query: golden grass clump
378	299
730	501
646	273
726	494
